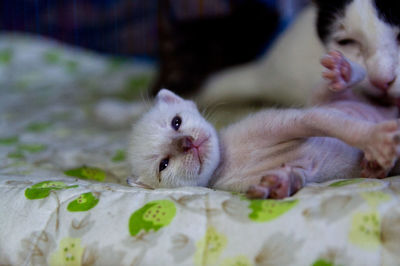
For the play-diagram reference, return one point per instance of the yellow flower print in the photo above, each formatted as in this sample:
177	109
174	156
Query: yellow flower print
237	261
365	230
69	253
210	247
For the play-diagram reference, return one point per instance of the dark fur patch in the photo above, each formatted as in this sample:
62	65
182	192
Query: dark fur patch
389	11
328	11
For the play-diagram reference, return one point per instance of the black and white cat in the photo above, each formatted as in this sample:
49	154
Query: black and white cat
368	33
364	31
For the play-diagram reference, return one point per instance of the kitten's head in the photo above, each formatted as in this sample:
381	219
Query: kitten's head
366	32
173	145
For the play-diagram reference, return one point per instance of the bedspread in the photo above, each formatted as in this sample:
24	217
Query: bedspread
64	202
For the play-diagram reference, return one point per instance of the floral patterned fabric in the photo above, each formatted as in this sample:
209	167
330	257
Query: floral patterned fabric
64	201
66	221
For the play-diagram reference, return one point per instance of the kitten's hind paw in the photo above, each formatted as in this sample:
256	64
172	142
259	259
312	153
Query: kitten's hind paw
257	192
270	186
372	169
277	185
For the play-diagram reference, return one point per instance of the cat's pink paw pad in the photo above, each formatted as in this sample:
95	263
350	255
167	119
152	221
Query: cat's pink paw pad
270	186
372	169
383	144
338	70
257	192
279	186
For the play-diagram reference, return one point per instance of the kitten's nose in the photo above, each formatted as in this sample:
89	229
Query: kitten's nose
383	83
185	143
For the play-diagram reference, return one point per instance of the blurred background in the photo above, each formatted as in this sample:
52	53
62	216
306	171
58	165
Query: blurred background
186	40
74	75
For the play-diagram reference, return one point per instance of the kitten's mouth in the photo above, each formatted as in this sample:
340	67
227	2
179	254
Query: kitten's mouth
197	147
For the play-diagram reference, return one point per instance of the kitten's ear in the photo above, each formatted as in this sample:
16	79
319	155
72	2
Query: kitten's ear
168	96
135	182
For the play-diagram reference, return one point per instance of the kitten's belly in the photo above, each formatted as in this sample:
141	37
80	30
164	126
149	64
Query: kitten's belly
320	158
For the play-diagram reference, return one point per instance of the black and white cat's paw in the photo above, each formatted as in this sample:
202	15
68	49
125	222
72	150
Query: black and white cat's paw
338	71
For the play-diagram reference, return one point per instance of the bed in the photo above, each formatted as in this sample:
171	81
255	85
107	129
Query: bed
64	200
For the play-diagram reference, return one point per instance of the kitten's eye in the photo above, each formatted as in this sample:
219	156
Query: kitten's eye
163	164
176	122
398	38
345	42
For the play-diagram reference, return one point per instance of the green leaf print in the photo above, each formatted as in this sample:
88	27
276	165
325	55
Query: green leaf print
83	203
16	155
38	127
42	190
7	141
134	86
31	147
346	182
71	66
86	172
267	210
6	56
152	216
52	57
322	262
119	156
116	63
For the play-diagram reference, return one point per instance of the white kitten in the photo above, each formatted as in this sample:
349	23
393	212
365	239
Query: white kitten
272	153
173	145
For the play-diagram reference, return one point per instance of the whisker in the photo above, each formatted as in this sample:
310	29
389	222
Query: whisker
146	99
211	109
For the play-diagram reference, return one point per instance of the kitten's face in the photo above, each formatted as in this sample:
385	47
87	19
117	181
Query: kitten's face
366	32
172	145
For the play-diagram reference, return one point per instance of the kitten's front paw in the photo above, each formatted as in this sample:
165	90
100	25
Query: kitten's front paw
382	146
338	71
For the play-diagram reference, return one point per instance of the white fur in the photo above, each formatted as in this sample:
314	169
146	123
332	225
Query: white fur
285	143
152	140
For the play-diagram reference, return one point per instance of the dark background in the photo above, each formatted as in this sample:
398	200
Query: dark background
189	39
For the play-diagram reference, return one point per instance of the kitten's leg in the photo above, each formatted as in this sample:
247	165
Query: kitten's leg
382	147
340	74
278	184
380	142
